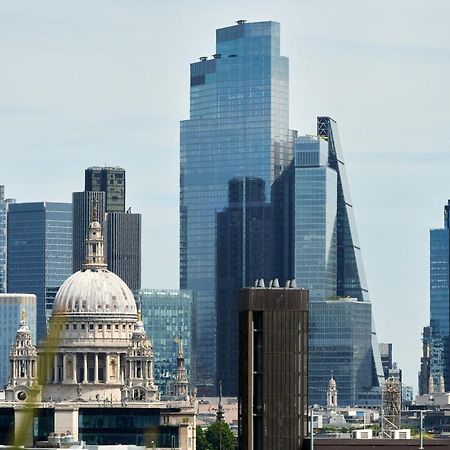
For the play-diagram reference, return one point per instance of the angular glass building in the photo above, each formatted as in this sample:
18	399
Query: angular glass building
167	314
321	251
39	253
440	301
238	127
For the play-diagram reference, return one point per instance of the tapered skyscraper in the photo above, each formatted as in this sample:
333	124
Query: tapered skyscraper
321	251
238	127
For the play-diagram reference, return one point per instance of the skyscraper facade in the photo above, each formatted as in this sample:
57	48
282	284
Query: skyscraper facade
440	301
4	202
12	308
244	253
39	253
123	247
168	315
273	368
83	204
110	180
238	127
321	251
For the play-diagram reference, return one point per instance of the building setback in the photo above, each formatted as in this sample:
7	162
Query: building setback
39	253
238	127
273	368
12	308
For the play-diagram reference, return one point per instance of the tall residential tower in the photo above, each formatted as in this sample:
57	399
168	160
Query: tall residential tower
238	127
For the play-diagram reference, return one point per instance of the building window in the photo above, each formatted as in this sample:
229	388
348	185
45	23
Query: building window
91	326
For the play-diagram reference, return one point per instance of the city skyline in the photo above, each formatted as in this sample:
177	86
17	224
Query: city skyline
379	59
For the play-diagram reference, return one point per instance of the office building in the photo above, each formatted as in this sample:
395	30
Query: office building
341	345
244	253
39	252
320	249
105	188
12	308
238	127
83	204
4	202
111	181
273	368
123	247
168	314
440	301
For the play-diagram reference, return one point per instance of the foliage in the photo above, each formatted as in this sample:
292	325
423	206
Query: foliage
220	436
202	442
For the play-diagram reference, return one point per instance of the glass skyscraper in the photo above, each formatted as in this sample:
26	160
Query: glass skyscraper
4	202
321	251
238	127
440	301
39	253
167	314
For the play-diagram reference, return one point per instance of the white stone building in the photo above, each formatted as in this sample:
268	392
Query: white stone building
97	357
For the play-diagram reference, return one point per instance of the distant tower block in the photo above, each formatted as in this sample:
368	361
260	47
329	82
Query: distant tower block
332	394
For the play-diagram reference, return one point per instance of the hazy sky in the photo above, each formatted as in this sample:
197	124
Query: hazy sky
92	82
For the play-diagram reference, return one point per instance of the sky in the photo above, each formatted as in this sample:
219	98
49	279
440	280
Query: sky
95	82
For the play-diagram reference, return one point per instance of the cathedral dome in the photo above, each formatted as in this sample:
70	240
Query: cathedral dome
94	290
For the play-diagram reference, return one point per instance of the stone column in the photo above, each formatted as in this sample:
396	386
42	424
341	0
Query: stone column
55	368
118	369
48	374
14	371
64	367
96	368
85	368
107	368
74	367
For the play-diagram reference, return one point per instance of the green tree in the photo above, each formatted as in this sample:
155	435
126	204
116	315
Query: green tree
220	436
202	443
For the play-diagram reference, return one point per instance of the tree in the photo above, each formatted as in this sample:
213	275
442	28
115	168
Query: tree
202	443
220	436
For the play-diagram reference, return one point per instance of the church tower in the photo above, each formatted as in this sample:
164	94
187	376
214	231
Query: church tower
180	385
332	394
23	363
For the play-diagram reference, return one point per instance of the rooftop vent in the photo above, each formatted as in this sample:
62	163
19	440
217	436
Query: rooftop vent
203	58
240	22
217	56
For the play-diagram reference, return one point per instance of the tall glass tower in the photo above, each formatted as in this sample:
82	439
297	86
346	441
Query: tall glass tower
4	202
238	127
322	252
39	253
440	301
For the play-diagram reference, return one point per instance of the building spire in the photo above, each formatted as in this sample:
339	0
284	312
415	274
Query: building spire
95	258
220	411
